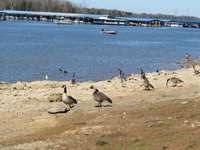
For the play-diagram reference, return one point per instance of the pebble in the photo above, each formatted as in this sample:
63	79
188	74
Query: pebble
58	109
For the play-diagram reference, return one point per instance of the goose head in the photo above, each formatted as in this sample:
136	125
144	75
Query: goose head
95	89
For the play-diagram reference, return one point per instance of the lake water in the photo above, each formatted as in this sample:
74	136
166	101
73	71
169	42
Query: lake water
29	50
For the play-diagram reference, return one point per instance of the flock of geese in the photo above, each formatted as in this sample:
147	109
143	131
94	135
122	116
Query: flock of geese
100	97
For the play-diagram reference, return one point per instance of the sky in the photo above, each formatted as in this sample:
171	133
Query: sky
173	7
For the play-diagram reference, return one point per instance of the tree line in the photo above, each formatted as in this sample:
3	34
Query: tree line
67	6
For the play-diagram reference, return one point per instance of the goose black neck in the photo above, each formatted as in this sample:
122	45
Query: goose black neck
96	90
65	89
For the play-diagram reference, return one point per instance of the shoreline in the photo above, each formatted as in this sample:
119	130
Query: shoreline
24	107
89	81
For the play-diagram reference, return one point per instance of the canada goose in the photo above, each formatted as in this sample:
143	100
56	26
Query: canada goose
73	81
196	72
175	81
120	72
122	75
100	97
147	85
68	100
142	73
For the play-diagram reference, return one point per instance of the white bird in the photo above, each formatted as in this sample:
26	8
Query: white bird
46	77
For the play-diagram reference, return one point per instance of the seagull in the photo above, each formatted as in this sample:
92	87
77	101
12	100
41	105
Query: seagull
174	80
100	97
46	77
68	100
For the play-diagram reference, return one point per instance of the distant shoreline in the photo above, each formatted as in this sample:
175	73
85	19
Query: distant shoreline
96	19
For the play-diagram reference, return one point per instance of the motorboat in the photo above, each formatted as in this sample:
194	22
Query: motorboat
106	31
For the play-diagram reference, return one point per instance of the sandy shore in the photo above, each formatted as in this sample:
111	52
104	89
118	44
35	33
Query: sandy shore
26	124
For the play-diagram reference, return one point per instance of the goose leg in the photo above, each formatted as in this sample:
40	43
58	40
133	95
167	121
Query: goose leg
71	106
99	105
174	85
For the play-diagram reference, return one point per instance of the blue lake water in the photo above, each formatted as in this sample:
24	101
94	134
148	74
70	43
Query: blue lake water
29	50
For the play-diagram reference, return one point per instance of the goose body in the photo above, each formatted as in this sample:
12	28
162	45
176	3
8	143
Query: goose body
100	97
147	85
174	80
68	100
196	72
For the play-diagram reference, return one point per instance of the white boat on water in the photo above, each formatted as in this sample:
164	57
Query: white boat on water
106	31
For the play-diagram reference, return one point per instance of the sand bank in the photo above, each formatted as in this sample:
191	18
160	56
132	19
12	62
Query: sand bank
24	105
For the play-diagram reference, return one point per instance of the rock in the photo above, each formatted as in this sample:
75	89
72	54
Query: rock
19	86
57	97
193	125
186	122
58	109
4	85
45	84
185	102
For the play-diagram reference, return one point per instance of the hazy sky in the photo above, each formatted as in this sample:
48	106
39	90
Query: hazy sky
178	7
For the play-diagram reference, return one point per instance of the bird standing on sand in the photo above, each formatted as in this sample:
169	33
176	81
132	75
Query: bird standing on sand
142	73
120	72
175	81
196	72
73	81
68	100
147	85
100	97
121	75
